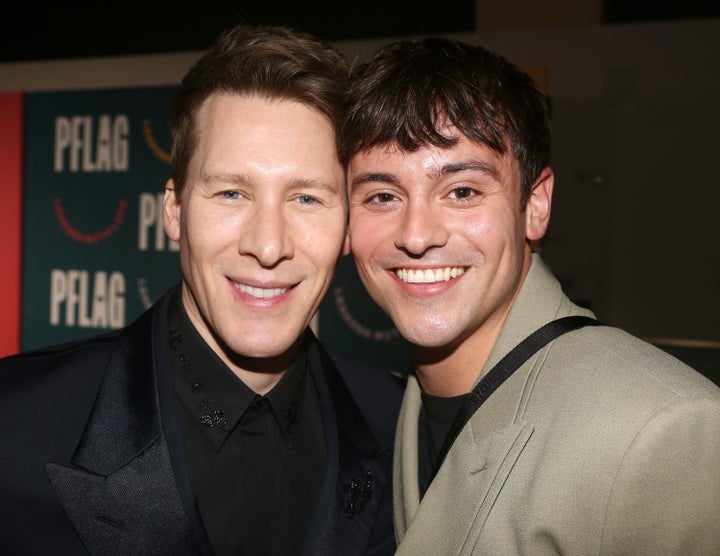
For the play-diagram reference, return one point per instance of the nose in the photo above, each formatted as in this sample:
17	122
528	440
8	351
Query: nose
266	236
421	229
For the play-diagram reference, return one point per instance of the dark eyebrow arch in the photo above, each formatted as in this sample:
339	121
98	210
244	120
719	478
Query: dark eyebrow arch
472	165
372	177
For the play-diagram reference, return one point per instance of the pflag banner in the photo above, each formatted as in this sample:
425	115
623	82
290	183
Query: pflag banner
95	253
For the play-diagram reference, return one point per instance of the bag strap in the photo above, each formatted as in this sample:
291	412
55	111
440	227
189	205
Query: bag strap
503	370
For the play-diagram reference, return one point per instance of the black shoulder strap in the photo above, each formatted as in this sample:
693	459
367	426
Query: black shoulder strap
504	369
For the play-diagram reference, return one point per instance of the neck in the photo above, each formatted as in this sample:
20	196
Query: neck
261	374
260	383
447	371
454	369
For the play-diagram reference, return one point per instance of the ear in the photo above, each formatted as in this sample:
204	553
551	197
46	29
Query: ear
537	210
171	211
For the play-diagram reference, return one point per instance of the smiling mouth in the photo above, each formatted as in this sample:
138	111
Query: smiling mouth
260	293
429	275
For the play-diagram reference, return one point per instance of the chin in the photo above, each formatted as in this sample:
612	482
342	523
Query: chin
265	346
426	338
261	351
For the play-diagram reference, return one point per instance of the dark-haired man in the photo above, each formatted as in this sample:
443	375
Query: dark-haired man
579	440
216	423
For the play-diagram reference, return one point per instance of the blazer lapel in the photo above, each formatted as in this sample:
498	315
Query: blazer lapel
356	480
120	492
464	490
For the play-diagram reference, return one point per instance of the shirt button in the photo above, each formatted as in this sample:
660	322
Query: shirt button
257	403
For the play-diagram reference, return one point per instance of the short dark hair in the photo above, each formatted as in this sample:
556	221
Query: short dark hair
268	61
407	89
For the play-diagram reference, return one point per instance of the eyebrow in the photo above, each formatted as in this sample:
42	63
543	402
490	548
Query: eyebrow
470	165
243	179
372	177
223	177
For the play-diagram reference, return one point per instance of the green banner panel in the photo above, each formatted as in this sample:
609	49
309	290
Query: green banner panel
351	322
95	254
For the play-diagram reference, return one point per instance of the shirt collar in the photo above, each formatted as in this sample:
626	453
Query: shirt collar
215	397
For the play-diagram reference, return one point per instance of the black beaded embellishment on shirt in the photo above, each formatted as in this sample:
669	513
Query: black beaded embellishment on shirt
210	416
175	338
213	418
292	414
357	492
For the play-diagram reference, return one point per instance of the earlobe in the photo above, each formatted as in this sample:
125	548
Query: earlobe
537	210
171	211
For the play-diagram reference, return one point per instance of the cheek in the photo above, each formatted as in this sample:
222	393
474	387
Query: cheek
362	247
324	258
206	234
475	228
474	231
490	232
322	242
368	234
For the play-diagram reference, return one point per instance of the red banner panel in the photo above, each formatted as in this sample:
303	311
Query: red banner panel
11	134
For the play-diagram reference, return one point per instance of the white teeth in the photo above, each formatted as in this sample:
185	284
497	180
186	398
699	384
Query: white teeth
429	276
260	293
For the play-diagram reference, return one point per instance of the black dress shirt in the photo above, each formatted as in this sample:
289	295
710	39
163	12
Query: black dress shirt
256	462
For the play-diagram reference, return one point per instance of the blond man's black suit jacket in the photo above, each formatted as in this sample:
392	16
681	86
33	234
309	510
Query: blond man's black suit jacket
92	459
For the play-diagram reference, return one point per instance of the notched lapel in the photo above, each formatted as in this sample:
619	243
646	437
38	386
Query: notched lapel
135	510
125	419
463	492
120	492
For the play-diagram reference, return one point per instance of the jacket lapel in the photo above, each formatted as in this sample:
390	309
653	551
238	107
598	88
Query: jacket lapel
356	480
476	468
465	488
120	492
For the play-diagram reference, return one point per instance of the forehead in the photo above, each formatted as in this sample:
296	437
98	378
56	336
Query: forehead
257	108
253	139
260	125
434	162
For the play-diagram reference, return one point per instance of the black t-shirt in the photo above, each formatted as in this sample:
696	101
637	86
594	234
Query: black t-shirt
436	417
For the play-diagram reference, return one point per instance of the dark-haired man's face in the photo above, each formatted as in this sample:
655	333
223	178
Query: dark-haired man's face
439	237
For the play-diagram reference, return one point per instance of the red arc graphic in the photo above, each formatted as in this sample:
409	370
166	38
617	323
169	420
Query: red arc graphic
90	238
